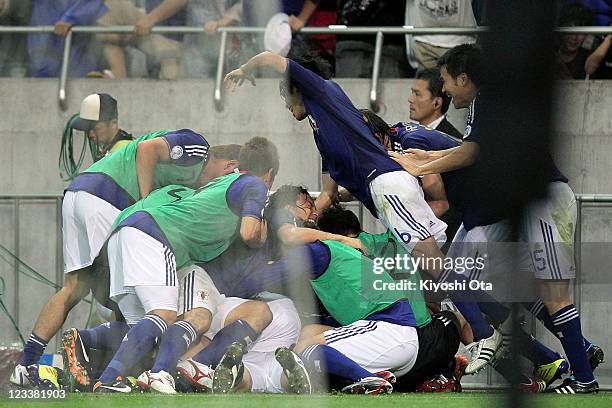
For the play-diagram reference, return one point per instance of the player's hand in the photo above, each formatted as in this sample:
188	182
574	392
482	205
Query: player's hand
236	78
408	162
61	28
355	243
211	27
418	154
295	23
143	26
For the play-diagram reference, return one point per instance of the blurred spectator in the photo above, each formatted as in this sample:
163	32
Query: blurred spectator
571	55
200	51
602	10
164	51
45	49
325	15
355	53
13	54
427	49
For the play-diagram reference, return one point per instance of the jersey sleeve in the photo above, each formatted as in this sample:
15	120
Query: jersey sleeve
472	128
306	81
186	147
247	197
412	136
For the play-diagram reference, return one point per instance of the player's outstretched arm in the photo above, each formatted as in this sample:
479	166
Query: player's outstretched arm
293	236
328	195
236	78
451	159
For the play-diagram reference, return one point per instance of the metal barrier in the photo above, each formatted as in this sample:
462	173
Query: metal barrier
332	29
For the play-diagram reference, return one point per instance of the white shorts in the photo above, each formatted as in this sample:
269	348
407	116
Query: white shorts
196	289
265	372
137	259
145	299
376	346
283	331
86	225
401	207
490	243
548	227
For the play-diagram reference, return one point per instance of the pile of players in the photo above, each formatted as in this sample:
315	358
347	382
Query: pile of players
215	285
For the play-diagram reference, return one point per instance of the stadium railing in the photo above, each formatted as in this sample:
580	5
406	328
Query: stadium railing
379	32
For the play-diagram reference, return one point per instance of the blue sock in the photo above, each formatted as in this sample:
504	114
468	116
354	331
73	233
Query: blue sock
32	350
496	311
136	343
323	358
534	351
539	311
238	331
567	326
174	344
465	301
106	336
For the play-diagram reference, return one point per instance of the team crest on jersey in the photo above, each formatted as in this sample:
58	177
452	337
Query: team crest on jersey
202	295
313	123
176	152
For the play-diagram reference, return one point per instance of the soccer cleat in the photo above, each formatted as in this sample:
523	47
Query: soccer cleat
551	372
369	386
161	382
298	380
387	375
45	377
571	386
440	383
76	360
532	387
229	370
198	375
483	352
20	377
596	356
118	385
461	363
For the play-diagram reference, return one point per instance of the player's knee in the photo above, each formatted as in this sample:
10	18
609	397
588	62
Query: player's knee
309	341
75	287
169	316
258	315
200	318
554	295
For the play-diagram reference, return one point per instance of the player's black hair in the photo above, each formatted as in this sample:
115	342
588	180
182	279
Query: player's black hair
378	126
464	59
434	85
572	15
337	220
309	59
258	156
285	195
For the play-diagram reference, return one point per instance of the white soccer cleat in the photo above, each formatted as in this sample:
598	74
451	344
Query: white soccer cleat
199	375
161	382
483	352
20	377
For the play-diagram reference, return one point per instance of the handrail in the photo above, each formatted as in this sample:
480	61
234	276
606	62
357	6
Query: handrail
332	29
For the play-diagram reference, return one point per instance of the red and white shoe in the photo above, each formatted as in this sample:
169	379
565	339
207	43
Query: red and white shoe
532	387
199	375
387	375
461	363
369	386
161	382
440	383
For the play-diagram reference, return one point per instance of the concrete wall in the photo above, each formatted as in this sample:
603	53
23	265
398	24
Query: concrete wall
31	126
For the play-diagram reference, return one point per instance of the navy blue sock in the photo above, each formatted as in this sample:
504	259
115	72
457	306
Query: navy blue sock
238	331
567	326
106	336
323	358
496	311
174	344
32	350
136	343
465	301
539	311
530	348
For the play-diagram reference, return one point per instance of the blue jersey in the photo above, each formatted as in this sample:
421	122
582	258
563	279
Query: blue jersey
474	214
351	154
414	136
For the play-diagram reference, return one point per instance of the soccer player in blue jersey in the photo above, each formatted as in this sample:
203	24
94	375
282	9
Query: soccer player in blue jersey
354	159
461	70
